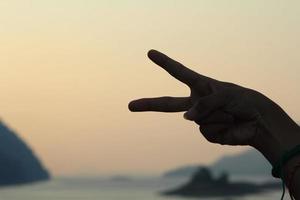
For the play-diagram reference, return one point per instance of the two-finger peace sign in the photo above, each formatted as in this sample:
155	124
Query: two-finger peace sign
200	86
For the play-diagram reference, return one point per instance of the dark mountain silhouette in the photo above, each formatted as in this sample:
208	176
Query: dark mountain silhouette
250	162
204	184
18	164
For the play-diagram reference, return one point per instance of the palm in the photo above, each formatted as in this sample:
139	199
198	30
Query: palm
221	109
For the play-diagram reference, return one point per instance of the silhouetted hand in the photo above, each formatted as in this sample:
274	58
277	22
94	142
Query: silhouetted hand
227	113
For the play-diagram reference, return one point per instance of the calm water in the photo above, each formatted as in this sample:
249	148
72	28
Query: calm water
105	189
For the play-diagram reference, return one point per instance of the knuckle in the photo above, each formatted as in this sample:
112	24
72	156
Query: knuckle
207	135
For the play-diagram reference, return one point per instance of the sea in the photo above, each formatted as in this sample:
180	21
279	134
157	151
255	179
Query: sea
106	188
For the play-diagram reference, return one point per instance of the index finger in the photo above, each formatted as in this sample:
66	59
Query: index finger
176	69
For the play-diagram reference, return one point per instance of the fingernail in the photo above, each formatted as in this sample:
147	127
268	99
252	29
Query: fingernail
186	116
131	106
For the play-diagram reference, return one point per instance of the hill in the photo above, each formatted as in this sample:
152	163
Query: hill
18	164
250	162
204	184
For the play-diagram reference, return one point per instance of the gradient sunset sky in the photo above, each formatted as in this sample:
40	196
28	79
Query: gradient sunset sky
70	67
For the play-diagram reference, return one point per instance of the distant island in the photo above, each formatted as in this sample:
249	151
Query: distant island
18	164
248	163
203	184
121	178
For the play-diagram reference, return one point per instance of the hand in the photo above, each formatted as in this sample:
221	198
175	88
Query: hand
227	113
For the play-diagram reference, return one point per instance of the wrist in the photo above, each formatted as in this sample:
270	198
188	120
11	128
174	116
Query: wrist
289	167
291	175
277	132
274	142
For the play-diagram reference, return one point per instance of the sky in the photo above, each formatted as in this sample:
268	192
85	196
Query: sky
68	69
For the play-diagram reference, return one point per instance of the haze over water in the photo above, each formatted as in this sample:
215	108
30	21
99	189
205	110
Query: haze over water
105	189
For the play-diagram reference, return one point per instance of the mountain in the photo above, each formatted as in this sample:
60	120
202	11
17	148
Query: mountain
250	162
204	184
18	164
